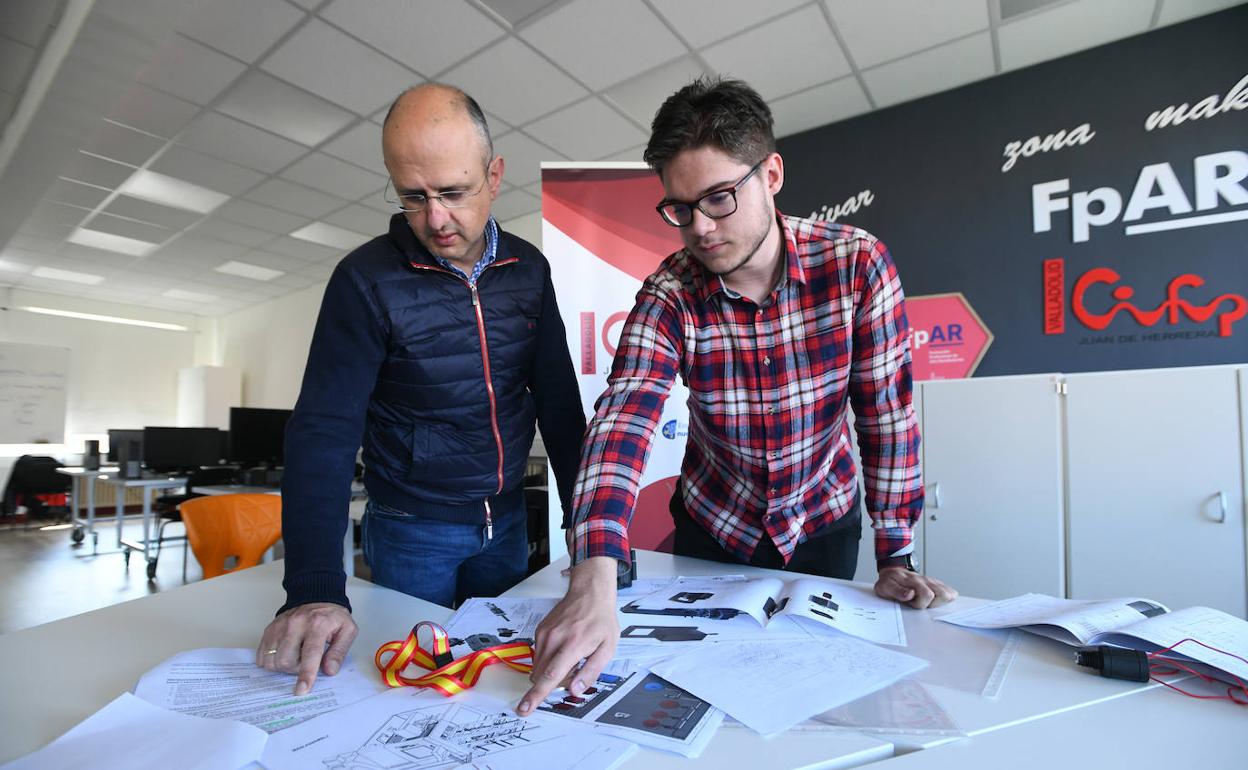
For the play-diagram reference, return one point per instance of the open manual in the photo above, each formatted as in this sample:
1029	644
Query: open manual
1138	624
727	608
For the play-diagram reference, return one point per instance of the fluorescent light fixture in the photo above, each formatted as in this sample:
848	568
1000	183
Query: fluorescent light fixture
189	296
168	191
13	267
72	276
109	242
330	235
112	319
255	272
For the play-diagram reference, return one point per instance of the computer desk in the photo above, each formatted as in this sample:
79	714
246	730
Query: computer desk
1049	713
83	527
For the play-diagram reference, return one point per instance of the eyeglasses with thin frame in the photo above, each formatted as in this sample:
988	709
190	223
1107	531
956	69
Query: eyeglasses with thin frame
716	204
414	203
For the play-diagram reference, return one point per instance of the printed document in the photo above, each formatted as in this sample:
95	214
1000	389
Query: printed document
130	733
406	730
225	683
1072	621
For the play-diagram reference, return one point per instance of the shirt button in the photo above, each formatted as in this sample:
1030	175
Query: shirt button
767	360
772	491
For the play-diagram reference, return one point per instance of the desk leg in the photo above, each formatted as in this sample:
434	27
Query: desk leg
147	533
95	536
120	511
75	534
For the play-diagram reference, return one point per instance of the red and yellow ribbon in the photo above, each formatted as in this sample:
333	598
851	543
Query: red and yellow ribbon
454	677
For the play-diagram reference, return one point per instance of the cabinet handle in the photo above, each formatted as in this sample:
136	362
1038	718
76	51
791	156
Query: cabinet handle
935	499
1221	507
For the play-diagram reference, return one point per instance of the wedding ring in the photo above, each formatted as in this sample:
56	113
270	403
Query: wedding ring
271	652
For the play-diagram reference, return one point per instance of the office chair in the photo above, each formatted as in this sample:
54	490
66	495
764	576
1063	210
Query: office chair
237	528
167	507
34	483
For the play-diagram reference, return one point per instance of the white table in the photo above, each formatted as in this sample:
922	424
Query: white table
147	483
83	527
355	509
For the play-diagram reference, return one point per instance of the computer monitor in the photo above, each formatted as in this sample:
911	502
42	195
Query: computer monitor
117	446
257	435
180	449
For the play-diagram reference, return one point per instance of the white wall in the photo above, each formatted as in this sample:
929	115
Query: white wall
119	376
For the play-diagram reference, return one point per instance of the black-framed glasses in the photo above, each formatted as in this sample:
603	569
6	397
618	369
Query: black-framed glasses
414	203
716	204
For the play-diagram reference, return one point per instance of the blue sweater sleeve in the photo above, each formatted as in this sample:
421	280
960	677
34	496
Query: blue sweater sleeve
323	435
557	397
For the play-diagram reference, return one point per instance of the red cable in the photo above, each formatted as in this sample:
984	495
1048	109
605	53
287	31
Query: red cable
1173	667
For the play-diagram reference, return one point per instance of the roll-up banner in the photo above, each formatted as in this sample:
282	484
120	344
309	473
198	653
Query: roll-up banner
602	237
1083	214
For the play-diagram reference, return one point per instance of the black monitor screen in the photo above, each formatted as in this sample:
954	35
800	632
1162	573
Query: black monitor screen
256	435
116	443
174	449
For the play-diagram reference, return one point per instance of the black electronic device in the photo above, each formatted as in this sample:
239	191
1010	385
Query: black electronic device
170	450
257	436
117	444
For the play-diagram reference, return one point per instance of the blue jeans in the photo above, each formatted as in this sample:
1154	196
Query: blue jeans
445	562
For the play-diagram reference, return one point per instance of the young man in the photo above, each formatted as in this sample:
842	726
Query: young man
437	346
777	325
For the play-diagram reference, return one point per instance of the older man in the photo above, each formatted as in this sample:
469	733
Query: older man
437	346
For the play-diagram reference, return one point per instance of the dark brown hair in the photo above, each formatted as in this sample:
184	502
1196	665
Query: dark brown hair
727	114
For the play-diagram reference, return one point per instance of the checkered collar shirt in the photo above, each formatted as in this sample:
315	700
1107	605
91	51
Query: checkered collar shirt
487	257
771	384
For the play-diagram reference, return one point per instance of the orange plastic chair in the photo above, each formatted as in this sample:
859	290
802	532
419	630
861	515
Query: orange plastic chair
223	526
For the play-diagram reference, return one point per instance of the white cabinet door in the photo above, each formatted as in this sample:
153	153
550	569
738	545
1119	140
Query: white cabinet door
992	465
1155	487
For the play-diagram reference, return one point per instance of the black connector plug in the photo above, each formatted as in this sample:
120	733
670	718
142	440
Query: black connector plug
1115	662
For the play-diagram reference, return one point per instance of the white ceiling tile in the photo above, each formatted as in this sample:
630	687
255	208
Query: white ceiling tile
566	131
309	4
1068	28
360	219
199	250
222	229
123	144
275	261
302	250
295	198
15	62
51	221
631	155
153	111
561	35
233	140
320	270
934	70
97	171
523	157
360	145
128	228
1180	10
887	29
705	21
295	281
451	29
802	53
74	194
146	211
377	202
514	204
158	268
242	28
513	82
190	71
641	96
7	101
267	102
818	106
27	21
206	171
333	176
355	76
85	255
261	217
31	243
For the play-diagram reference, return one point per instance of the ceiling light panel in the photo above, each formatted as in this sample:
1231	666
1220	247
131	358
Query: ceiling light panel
330	235
69	276
110	242
245	270
168	191
267	102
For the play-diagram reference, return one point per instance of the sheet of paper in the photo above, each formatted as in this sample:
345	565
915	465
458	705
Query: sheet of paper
770	687
638	706
1071	621
407	730
130	733
481	623
902	708
850	609
1213	627
713	598
225	683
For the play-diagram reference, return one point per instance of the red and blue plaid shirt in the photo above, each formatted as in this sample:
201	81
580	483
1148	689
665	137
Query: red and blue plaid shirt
770	387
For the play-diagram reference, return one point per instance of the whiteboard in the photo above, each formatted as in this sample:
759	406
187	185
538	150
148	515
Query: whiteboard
32	393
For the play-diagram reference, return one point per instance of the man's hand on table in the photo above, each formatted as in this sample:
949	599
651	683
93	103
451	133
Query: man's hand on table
581	626
913	589
299	636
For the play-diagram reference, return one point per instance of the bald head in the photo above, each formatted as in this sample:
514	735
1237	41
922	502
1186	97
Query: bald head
433	108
